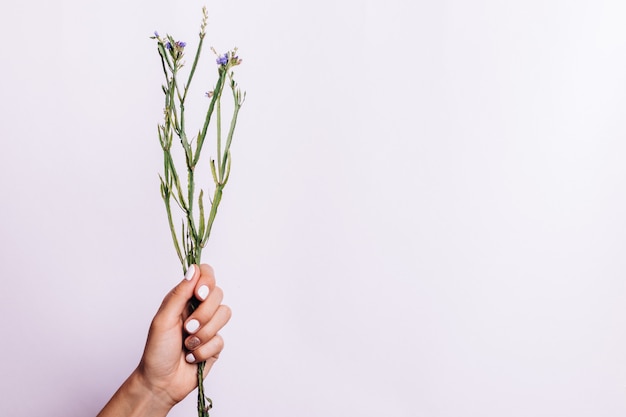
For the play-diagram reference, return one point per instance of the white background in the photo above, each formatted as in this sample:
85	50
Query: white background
425	217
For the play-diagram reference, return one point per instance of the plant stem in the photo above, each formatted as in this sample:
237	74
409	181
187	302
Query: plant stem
219	134
203	409
217	197
173	231
229	138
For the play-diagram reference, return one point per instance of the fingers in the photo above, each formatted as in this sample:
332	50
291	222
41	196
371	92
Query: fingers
206	282
206	321
175	302
209	351
204	311
198	282
208	306
207	276
203	334
202	326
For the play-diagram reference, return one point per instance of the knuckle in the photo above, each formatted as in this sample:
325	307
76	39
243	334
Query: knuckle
218	342
208	269
226	311
208	274
218	292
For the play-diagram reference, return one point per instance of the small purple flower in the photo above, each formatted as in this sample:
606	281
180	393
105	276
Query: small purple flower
222	59
178	46
156	34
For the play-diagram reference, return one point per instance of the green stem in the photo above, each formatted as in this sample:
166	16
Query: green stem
217	197
172	167
203	408
219	135
193	66
190	220
173	232
216	95
229	138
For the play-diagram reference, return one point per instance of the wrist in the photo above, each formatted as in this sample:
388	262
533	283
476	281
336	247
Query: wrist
136	398
160	403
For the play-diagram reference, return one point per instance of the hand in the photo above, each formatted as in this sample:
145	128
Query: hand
167	372
168	369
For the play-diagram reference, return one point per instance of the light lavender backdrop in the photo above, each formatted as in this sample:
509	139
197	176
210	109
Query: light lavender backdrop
426	213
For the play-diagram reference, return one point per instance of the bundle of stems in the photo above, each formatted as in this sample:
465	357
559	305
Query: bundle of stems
195	228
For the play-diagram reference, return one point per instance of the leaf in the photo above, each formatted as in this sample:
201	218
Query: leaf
227	174
164	189
202	220
213	171
184	240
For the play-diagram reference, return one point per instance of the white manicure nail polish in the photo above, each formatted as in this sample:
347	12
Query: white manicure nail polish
203	291
190	272
192	325
190	358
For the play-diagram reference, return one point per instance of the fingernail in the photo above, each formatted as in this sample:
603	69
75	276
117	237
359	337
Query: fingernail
193	343
190	272
203	291
190	358
192	325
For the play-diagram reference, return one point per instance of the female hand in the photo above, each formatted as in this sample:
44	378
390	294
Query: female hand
177	341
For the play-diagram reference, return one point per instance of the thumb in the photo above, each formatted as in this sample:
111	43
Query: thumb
175	302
